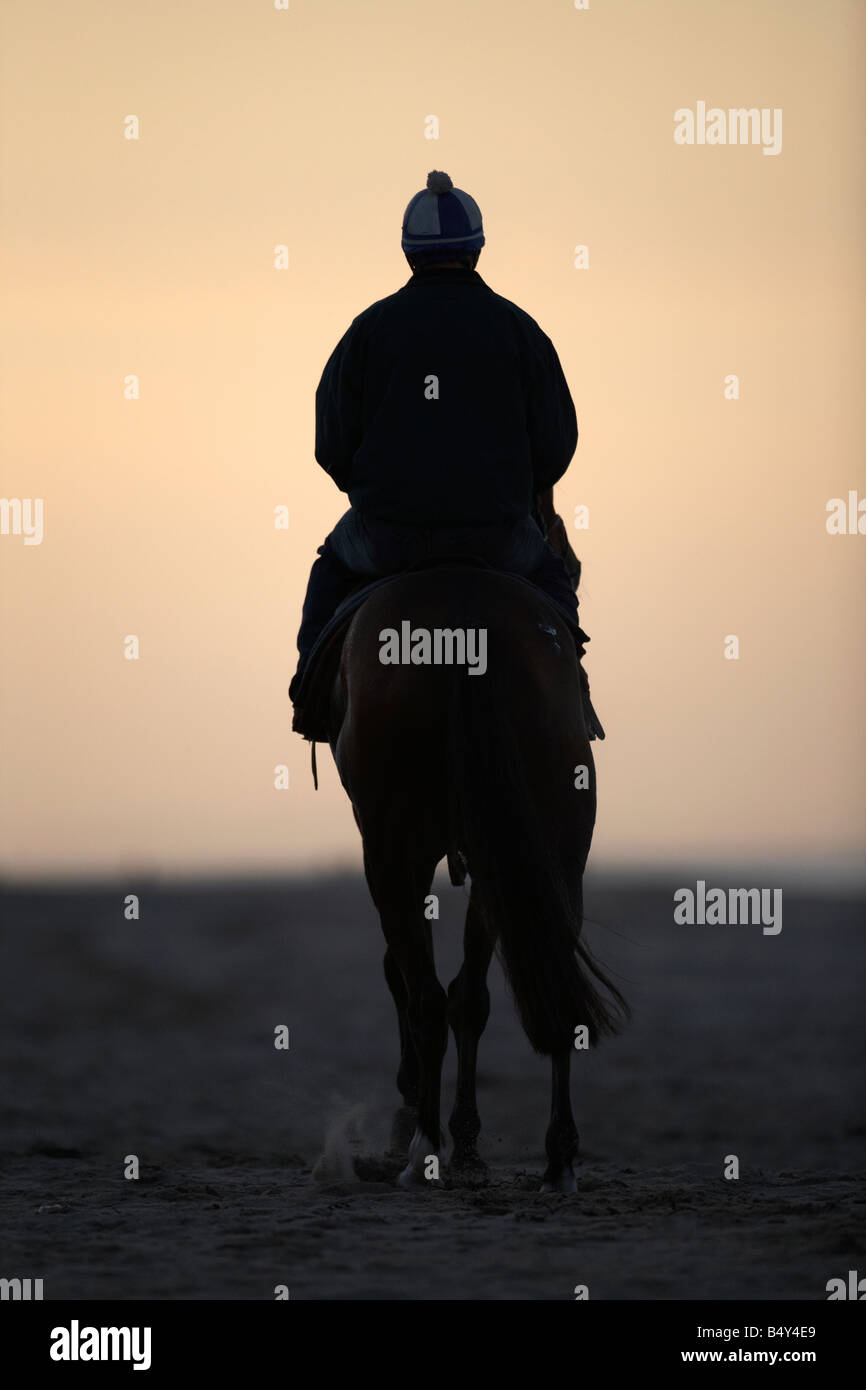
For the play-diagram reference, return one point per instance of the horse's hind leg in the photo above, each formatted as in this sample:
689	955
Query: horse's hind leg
406	1116
468	1011
561	1143
410	939
399	892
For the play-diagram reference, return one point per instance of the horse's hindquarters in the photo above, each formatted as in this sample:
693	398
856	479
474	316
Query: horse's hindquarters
422	655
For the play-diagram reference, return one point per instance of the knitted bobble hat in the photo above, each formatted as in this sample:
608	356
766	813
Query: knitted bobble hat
442	217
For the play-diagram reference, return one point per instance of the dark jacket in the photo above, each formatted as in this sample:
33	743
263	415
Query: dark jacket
503	426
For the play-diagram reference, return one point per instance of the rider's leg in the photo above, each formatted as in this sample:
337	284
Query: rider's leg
330	582
357	548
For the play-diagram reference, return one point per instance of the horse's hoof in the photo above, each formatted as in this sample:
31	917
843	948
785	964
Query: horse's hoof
566	1182
422	1170
410	1178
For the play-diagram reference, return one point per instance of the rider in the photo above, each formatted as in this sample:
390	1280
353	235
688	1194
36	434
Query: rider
444	413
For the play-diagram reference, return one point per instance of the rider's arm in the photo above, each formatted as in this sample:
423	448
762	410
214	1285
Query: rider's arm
338	408
545	512
550	417
557	537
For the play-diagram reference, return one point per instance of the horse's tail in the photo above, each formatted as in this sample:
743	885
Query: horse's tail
517	880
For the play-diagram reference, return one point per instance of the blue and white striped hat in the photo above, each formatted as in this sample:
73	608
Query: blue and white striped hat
442	217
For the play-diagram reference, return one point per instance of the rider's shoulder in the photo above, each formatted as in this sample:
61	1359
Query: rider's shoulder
370	316
401	304
524	321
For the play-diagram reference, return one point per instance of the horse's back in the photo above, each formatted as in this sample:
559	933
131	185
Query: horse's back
500	642
511	630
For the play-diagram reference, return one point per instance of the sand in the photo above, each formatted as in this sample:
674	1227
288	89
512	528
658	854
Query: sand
262	1167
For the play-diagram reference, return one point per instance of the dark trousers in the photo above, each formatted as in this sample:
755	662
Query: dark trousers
363	547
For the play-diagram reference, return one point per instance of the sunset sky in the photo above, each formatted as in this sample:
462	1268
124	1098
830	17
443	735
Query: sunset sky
306	128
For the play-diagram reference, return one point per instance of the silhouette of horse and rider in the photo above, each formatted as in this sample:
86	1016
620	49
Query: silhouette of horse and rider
445	415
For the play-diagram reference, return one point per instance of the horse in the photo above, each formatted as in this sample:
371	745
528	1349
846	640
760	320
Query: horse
491	769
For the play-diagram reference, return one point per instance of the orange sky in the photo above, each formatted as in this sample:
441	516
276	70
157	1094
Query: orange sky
707	516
